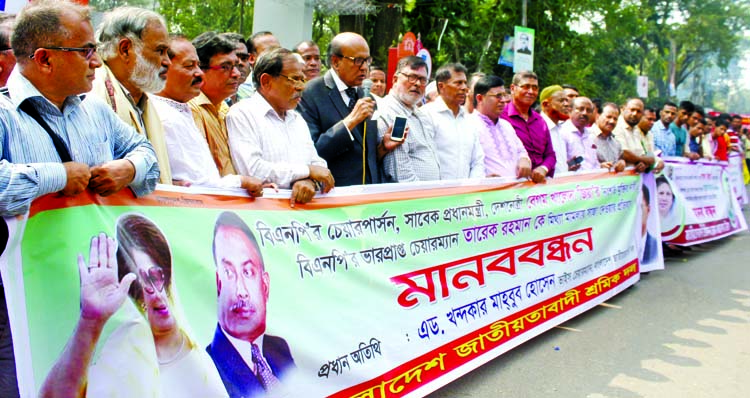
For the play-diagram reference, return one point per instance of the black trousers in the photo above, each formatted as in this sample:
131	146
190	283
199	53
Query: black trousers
8	379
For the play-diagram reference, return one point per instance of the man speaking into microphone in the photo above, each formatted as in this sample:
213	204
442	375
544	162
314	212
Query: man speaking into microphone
339	115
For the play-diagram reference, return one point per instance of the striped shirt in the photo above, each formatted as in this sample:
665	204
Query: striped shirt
30	166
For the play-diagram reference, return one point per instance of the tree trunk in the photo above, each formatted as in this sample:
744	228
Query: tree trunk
386	27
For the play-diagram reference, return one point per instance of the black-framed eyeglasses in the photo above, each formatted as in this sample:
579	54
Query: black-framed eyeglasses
5	48
295	79
358	61
225	67
88	51
414	78
153	281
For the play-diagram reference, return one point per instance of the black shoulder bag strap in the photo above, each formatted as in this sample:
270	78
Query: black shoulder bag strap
62	150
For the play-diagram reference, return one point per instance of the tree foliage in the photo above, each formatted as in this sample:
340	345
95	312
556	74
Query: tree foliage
192	18
667	40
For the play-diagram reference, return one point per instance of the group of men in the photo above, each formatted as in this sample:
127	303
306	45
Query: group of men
131	105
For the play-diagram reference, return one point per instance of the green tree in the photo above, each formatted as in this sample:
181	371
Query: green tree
192	18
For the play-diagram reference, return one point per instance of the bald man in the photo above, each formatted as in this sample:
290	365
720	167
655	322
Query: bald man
339	115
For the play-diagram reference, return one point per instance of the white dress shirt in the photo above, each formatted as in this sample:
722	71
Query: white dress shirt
558	145
268	147
456	141
189	156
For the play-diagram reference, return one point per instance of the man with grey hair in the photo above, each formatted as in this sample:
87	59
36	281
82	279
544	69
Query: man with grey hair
416	159
7	58
133	44
57	140
269	139
339	114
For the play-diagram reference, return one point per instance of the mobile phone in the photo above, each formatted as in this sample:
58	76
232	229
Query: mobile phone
576	160
399	126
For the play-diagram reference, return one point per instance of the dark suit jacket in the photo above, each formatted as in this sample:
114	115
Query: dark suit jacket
650	250
238	379
324	109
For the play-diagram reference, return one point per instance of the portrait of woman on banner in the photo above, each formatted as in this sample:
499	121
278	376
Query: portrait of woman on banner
151	353
671	211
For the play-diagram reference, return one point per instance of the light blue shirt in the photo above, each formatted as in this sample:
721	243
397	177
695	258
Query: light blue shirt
30	166
664	139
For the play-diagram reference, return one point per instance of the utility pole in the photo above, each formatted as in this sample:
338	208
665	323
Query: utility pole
242	18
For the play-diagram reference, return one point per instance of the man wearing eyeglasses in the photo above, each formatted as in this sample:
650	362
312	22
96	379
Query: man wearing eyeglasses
529	125
416	159
219	63
7	58
56	51
133	44
189	156
271	141
338	114
456	139
243	58
504	153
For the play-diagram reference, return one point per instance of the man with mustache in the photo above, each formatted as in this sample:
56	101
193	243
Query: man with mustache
220	66
608	149
578	139
269	139
529	125
250	362
636	148
456	138
133	44
416	159
189	156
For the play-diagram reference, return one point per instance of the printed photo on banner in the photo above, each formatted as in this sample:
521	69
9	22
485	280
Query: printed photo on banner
698	201
651	255
671	209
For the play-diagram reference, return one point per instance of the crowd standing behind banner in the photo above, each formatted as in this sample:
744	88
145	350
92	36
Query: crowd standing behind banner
225	112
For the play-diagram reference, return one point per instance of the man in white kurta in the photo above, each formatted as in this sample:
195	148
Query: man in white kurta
189	156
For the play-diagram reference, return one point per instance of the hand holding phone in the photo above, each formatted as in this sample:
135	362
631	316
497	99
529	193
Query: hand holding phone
399	126
575	161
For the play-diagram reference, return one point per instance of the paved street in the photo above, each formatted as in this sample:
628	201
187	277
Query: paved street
682	332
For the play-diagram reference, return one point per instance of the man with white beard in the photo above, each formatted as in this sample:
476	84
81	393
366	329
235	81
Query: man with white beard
133	44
